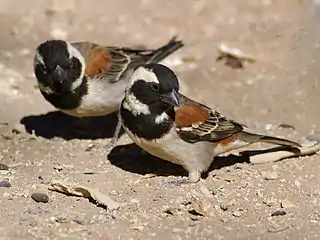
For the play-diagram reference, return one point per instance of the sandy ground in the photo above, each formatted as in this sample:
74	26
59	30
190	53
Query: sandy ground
237	199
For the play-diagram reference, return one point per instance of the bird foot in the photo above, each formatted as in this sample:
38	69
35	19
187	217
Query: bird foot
194	176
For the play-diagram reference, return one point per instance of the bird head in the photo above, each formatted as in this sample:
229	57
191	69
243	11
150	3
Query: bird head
152	88
58	66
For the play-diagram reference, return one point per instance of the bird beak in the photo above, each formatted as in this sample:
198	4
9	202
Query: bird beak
171	98
59	71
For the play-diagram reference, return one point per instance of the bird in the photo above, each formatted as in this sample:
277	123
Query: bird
171	126
84	79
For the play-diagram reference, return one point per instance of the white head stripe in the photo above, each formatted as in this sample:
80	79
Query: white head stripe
38	59
143	73
73	52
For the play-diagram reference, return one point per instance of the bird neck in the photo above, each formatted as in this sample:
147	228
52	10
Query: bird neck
68	100
149	126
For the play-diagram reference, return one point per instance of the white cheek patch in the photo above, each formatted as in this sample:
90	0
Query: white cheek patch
145	74
161	118
73	52
136	107
38	59
45	89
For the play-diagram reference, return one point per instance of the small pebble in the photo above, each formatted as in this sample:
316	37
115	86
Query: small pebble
3	167
78	221
282	180
236	214
270	201
285	203
278	213
18	129
40	197
270	175
224	206
285	125
90	147
214	192
259	194
5	184
297	183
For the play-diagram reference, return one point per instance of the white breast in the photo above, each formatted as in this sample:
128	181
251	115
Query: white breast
103	98
173	149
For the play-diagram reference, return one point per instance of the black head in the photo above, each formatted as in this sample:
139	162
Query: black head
147	109
58	66
155	86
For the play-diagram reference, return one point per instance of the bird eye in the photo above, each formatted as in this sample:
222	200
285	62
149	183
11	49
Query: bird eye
74	63
155	87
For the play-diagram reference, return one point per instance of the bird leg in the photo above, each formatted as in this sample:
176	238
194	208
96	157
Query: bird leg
194	176
115	135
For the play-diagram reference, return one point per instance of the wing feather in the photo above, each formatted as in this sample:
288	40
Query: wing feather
210	127
109	63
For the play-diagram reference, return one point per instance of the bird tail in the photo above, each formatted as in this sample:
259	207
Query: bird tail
164	51
251	138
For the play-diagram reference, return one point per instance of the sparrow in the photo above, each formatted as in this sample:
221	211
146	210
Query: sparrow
84	79
175	128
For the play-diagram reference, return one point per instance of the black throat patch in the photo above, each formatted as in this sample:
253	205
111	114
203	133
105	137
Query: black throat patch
144	126
68	100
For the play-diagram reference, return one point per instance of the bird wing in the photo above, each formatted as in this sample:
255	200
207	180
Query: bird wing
109	63
196	122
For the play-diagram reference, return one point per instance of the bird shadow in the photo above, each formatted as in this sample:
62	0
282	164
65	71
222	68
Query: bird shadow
57	124
132	158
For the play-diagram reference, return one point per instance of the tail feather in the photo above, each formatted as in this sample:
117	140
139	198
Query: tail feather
251	137
164	51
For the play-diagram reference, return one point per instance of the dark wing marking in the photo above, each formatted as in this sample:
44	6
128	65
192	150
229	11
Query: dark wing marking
107	63
214	128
